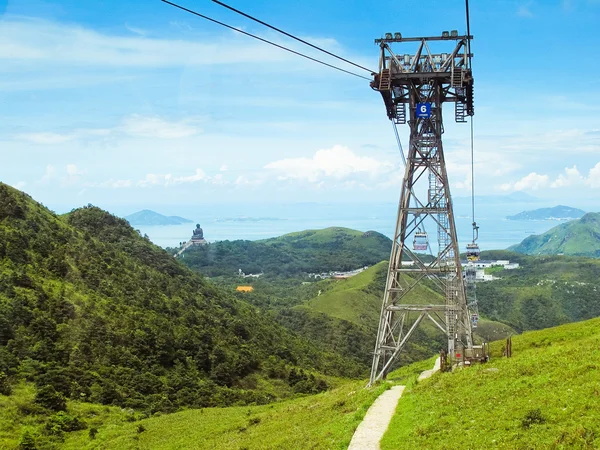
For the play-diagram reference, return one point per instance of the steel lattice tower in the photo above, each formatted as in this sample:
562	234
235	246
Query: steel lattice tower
414	87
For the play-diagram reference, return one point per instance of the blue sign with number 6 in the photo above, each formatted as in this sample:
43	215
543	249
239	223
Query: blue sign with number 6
423	110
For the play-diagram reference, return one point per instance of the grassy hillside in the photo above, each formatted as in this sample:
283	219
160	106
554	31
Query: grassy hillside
545	397
358	299
323	421
577	238
91	310
292	254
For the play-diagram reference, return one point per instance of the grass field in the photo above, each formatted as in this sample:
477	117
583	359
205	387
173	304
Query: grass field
545	397
358	299
322	421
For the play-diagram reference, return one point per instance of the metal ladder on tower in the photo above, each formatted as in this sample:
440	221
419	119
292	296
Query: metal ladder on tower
385	80
400	117
460	111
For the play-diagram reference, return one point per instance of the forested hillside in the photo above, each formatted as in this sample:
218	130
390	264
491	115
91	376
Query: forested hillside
579	237
331	249
546	291
91	310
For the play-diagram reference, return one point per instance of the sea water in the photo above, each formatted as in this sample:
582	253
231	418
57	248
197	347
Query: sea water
254	222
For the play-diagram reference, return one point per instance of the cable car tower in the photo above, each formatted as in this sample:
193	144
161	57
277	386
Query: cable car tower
414	88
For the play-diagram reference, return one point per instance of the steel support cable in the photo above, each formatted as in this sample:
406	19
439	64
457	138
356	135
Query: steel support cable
475	228
231	8
475	234
399	142
264	40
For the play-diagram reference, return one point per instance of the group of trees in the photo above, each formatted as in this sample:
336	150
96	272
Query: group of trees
544	292
96	312
291	255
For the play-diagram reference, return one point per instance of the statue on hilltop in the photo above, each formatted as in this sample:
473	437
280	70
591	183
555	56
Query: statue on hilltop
198	236
198	233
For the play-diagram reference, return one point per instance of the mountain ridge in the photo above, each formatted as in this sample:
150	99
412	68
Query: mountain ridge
559	212
579	237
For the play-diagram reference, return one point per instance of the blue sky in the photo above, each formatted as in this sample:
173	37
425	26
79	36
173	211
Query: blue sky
137	104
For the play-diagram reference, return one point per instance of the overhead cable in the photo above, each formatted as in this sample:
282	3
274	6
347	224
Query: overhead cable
399	142
264	40
231	8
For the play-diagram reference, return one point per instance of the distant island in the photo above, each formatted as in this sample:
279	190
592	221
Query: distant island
557	213
147	217
248	219
579	237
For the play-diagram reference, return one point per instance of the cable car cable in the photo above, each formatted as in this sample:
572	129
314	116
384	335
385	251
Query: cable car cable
290	35
399	142
264	40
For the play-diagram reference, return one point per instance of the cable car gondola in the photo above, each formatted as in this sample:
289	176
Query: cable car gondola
420	241
473	252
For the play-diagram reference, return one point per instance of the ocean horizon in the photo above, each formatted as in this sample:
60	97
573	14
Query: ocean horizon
256	222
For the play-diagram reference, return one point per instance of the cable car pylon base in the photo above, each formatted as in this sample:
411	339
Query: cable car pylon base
416	86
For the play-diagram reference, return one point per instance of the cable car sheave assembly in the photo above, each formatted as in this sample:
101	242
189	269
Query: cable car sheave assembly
414	86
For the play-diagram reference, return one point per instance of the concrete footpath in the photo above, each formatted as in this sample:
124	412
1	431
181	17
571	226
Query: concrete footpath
378	417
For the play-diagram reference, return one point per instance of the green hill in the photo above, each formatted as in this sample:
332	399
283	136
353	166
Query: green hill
147	217
544	397
316	251
91	310
577	238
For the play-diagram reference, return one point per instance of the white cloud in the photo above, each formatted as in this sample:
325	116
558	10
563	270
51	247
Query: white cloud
338	163
524	11
73	171
44	138
571	177
224	168
153	179
135	125
49	175
593	179
199	175
533	181
136	30
242	180
117	184
36	40
155	127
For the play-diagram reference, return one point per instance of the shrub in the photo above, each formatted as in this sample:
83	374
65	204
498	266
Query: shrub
27	441
5	388
61	422
533	417
47	397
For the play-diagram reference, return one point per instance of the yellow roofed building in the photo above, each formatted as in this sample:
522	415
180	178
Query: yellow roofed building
244	289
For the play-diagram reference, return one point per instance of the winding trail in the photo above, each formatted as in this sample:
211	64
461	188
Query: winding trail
378	417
